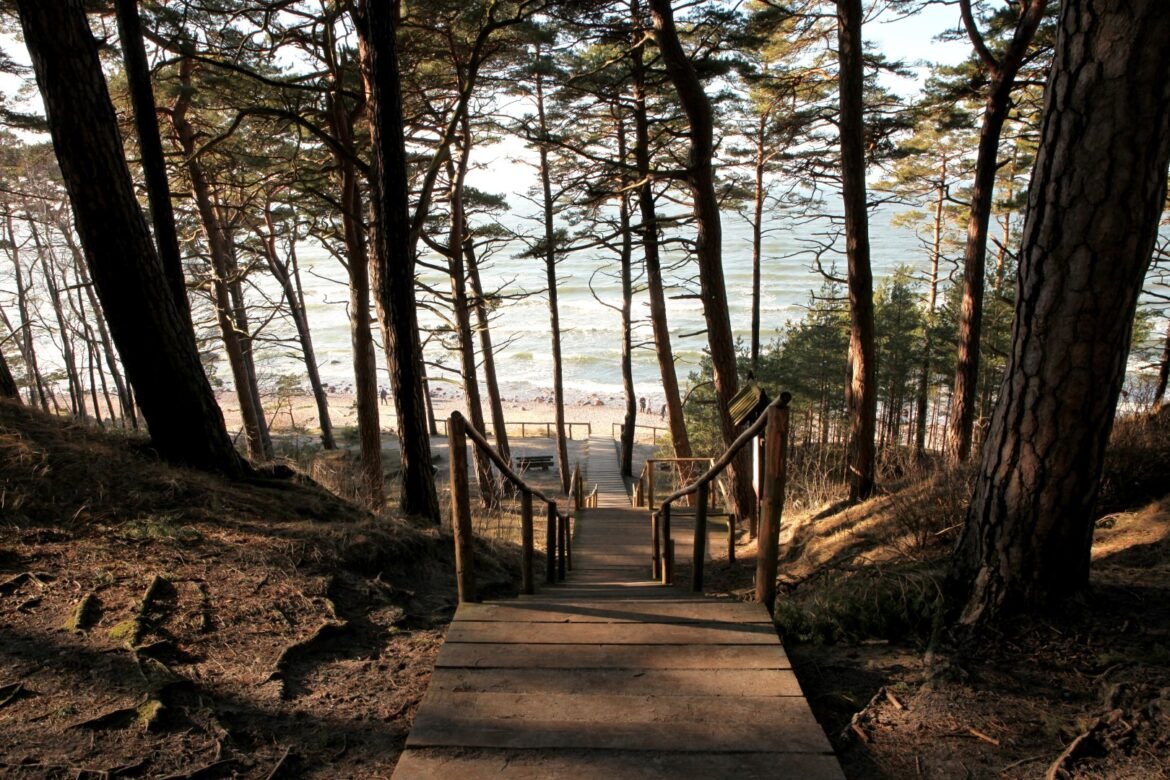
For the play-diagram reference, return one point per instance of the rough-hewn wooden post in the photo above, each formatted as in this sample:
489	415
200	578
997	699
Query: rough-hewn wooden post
700	544
667	546
768	542
526	542
562	550
550	545
461	508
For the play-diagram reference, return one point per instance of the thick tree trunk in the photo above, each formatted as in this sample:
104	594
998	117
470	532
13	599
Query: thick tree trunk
154	167
655	291
995	111
156	342
758	236
861	391
708	246
1097	191
394	265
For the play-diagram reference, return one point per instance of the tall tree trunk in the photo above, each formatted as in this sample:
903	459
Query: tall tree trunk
550	269
288	275
758	235
76	386
487	351
218	245
8	388
708	246
649	229
36	388
129	414
154	167
861	392
932	302
1163	373
461	311
1002	73
1096	194
626	454
156	342
394	266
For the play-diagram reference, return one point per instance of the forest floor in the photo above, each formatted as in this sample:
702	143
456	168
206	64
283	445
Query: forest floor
165	623
1083	692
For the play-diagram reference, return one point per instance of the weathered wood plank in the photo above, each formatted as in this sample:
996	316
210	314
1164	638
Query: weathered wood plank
684	723
550	611
613	633
665	682
439	764
510	656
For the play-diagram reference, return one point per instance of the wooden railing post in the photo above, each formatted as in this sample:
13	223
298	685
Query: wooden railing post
768	542
562	549
526	541
700	543
550	545
656	555
569	521
667	546
461	508
650	486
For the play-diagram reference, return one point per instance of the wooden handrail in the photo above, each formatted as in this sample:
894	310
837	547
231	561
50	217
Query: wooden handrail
559	524
660	522
505	470
730	453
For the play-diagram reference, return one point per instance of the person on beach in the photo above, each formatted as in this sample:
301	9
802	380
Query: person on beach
662	414
641	404
382	394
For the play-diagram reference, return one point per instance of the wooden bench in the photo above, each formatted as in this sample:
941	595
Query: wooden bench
542	462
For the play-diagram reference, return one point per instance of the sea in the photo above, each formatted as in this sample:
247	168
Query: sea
589	296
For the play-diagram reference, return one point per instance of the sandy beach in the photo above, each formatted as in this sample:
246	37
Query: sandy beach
588	415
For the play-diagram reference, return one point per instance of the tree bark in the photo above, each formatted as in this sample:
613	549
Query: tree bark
394	265
154	167
1096	194
861	390
932	302
708	246
156	342
1002	74
650	248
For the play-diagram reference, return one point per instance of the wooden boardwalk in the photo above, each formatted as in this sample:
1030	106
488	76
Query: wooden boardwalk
610	676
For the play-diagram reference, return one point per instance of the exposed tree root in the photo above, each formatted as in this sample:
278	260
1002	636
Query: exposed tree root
13	692
87	612
132	631
13	584
218	768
